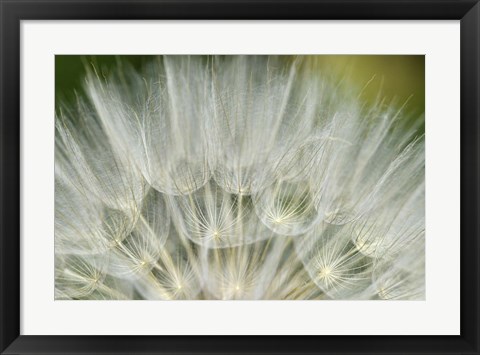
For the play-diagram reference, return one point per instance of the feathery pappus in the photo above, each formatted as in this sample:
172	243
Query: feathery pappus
236	177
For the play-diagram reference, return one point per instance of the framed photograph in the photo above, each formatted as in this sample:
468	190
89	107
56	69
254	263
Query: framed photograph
239	177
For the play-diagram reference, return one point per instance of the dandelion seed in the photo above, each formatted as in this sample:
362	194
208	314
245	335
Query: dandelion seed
287	208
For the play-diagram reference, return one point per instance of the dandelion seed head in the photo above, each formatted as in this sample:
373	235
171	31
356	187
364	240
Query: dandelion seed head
236	177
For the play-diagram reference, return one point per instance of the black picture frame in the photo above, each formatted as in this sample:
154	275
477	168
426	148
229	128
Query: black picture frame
12	12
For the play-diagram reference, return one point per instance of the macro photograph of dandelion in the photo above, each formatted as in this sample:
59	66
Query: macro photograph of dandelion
240	177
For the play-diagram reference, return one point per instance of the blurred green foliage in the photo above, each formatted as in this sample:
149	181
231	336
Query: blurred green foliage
394	77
